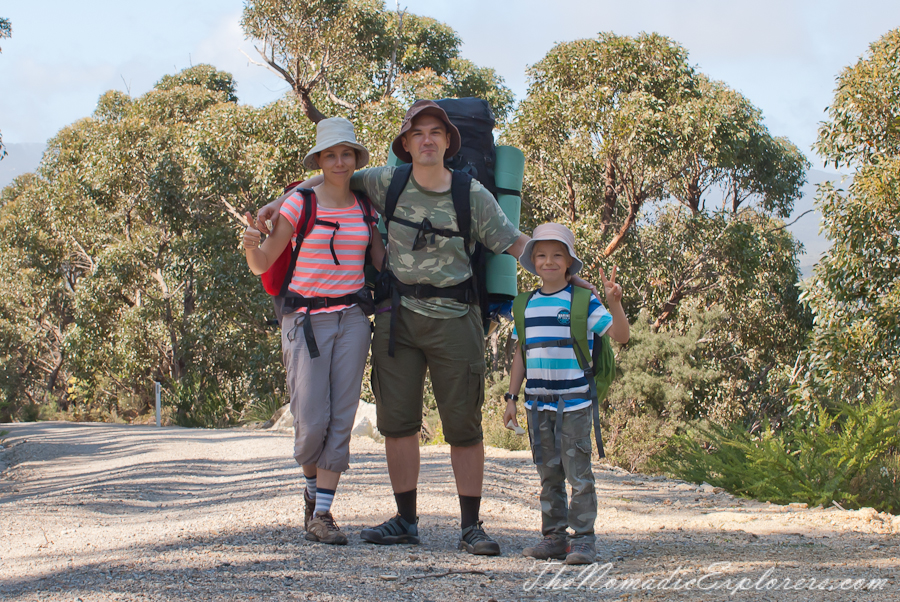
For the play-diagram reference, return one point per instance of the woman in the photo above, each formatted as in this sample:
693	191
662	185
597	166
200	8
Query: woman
324	385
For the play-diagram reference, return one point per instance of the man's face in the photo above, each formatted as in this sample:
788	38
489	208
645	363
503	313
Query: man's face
427	140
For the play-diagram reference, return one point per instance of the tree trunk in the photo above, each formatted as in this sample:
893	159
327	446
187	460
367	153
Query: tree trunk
610	196
633	209
570	192
670	307
51	380
306	104
693	191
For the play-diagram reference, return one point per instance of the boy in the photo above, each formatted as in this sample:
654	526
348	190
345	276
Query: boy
554	377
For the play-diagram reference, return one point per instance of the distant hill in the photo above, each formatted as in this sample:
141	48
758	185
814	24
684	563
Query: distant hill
23	158
20	158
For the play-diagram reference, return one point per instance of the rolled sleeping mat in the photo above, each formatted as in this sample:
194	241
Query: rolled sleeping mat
509	171
392	160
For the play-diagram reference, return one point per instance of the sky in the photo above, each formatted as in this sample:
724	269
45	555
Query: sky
783	55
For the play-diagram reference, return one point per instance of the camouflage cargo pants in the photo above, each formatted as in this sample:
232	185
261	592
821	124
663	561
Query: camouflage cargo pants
572	463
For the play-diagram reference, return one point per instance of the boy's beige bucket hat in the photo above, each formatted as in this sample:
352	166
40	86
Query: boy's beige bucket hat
331	132
556	232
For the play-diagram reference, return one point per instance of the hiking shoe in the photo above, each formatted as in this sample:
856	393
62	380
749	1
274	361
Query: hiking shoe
474	540
581	553
323	529
550	547
393	530
309	506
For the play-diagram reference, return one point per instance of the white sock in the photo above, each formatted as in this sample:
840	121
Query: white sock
324	499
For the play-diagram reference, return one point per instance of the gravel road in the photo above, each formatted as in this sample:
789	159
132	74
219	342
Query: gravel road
116	512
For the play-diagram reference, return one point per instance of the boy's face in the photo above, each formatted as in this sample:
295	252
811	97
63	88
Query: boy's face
551	260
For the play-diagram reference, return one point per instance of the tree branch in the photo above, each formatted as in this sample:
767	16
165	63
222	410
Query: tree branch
338	101
791	223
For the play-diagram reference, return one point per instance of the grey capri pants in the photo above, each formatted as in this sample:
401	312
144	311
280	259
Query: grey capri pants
324	391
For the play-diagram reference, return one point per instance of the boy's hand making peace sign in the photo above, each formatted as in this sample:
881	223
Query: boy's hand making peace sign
611	288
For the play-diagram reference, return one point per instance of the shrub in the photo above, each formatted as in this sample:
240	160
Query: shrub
845	454
495	432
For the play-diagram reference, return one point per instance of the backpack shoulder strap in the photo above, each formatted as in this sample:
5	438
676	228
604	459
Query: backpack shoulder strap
519	305
304	227
398	183
365	205
459	190
581	299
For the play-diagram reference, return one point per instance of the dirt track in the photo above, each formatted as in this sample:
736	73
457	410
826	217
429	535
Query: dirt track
113	512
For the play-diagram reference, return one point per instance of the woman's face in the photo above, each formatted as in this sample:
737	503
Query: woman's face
338	163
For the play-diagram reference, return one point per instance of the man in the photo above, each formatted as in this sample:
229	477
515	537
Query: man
442	333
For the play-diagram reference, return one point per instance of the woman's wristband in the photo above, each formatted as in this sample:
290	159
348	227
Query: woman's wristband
510	397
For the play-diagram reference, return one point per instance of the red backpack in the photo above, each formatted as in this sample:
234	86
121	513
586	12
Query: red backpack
277	278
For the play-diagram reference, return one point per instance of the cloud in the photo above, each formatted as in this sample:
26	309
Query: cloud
223	48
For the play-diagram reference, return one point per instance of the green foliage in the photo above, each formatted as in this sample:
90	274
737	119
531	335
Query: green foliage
676	177
122	265
613	123
202	402
844	454
855	295
262	409
661	382
495	432
353	57
5	32
5	29
864	118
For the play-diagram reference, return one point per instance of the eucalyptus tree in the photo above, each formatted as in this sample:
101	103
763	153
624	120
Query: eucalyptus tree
614	123
674	178
123	262
855	294
356	59
5	32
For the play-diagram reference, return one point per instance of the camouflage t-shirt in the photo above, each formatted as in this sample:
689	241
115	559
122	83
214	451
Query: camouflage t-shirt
443	262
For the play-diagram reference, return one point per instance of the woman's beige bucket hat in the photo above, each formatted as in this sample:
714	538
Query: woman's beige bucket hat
331	132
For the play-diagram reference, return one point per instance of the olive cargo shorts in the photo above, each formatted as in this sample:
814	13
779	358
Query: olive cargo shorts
453	352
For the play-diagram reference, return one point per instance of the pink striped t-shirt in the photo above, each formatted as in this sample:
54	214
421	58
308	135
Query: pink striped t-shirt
316	274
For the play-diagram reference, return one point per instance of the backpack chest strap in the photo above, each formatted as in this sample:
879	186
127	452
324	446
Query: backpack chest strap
545	344
425	228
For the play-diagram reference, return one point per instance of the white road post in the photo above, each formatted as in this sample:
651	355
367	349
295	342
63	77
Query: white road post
158	406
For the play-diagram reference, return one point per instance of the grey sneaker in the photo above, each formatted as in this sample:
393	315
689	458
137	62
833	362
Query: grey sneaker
323	529
309	506
393	530
550	547
474	540
581	552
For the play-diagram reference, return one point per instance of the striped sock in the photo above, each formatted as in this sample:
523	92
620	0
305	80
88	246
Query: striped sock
324	498
310	487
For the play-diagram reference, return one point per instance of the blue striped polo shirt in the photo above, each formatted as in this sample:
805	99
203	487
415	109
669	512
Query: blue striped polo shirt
555	370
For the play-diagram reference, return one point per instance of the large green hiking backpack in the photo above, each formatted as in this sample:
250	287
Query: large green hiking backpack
599	371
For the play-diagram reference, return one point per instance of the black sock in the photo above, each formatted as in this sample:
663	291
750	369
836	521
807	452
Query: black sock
406	505
469	507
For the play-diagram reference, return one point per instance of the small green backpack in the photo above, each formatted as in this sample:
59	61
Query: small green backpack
599	371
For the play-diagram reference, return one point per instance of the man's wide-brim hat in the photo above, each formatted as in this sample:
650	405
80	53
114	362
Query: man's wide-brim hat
332	132
425	107
556	232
